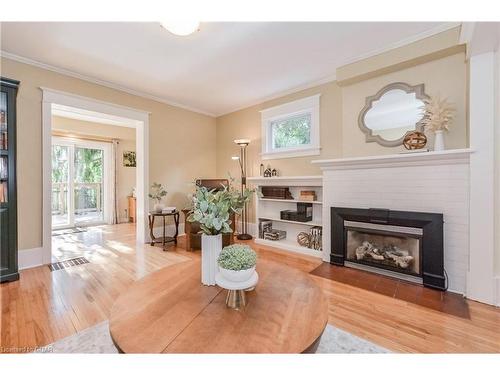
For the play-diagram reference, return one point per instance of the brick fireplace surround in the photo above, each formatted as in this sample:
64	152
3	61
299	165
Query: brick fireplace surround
436	182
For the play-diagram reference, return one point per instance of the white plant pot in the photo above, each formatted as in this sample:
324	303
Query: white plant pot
438	140
237	276
158	207
211	246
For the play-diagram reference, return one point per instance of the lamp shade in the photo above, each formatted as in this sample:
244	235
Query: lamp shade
242	142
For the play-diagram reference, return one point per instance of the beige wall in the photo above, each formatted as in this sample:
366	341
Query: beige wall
339	109
247	124
446	77
125	176
181	145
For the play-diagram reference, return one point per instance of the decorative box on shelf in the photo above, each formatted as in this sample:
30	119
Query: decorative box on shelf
301	212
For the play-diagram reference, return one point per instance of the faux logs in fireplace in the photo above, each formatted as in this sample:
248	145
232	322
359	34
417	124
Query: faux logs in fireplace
405	244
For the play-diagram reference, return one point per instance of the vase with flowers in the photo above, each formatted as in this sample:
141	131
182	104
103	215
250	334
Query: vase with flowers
212	210
157	194
438	115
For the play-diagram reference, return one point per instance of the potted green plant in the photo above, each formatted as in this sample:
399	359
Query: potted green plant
212	210
237	262
157	193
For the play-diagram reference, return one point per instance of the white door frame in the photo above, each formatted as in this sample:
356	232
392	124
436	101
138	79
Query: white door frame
132	117
106	182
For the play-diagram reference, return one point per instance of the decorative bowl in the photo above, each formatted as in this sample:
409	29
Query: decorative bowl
237	276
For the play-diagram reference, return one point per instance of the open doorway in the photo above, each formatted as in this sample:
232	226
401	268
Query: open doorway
95	163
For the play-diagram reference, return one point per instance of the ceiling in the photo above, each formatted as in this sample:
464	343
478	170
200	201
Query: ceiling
221	68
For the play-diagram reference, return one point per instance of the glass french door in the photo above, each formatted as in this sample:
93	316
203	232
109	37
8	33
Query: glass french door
78	182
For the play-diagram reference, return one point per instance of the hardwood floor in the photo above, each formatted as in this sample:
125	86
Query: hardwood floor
45	306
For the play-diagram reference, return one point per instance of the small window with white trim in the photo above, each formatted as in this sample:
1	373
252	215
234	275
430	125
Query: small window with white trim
291	129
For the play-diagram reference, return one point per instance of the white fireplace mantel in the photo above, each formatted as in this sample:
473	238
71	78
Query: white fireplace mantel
435	181
397	160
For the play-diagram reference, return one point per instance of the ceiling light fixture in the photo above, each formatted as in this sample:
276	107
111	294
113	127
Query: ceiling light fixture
181	27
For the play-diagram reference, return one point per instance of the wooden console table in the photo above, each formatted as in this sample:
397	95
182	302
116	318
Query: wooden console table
170	311
164	239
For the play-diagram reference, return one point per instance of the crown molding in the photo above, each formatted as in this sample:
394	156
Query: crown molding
404	42
100	82
330	78
327	79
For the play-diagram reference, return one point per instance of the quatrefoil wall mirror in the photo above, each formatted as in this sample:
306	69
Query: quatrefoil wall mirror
391	113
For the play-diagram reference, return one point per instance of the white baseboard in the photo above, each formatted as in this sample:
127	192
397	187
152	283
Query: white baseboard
30	258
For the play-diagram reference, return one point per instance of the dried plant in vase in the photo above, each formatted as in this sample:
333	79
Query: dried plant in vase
438	115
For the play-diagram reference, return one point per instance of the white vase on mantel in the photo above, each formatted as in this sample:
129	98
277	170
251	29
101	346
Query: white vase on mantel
211	246
438	140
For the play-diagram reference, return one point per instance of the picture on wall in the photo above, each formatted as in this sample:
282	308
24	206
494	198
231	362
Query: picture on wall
129	159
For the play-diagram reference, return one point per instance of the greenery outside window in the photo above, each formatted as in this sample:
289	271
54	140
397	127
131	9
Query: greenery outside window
291	129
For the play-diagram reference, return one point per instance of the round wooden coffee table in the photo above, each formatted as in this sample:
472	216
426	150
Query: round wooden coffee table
170	311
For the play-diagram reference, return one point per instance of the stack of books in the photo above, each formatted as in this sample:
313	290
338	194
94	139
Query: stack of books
265	226
307	195
168	210
275	235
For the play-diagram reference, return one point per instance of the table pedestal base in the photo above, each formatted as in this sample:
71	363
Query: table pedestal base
236	299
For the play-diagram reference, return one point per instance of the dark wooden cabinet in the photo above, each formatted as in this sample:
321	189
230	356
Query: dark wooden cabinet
8	186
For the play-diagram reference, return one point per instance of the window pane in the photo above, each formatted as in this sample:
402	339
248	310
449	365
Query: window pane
292	131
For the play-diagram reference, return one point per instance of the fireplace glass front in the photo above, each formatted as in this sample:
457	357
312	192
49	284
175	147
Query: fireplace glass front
389	247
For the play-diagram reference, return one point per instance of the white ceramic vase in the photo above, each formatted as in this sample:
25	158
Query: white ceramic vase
158	207
211	246
438	140
237	276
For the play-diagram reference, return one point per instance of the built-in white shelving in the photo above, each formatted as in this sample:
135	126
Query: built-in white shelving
270	208
289	200
308	223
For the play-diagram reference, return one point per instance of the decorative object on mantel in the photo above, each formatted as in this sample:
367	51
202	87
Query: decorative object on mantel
237	273
414	140
391	113
243	143
212	210
438	115
157	193
274	173
261	170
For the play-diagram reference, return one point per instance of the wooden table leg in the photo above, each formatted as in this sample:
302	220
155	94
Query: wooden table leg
164	232
151	220
176	220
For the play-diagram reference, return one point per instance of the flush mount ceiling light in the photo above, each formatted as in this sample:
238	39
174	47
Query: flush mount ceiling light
181	27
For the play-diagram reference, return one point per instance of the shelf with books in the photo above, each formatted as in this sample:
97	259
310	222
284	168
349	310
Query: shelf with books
276	224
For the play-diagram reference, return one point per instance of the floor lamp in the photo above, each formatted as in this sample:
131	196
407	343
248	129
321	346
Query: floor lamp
243	143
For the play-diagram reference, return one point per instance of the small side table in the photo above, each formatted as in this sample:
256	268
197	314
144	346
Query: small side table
164	239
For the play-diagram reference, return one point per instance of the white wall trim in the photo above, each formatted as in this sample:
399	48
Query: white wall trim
404	42
52	97
397	160
309	105
30	258
480	280
100	82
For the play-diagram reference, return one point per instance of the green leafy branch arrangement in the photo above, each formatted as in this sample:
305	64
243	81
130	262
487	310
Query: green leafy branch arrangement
213	208
237	257
157	192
